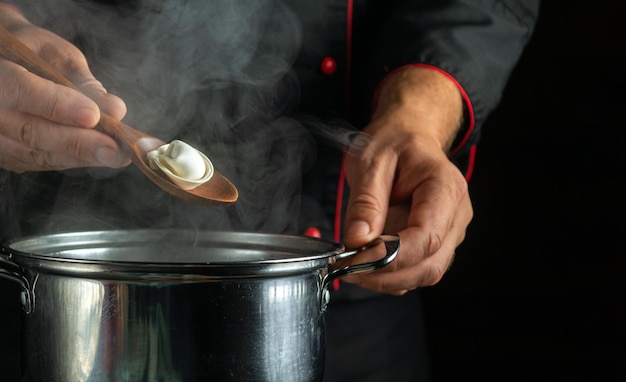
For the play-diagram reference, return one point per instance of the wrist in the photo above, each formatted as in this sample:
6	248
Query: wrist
426	96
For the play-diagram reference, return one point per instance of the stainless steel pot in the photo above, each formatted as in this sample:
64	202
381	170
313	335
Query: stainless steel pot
173	305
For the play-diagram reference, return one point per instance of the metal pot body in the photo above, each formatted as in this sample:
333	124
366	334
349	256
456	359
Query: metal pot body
131	306
268	329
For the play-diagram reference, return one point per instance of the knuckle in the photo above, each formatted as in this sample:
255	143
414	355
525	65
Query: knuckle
50	107
459	185
27	135
433	275
12	89
68	59
71	61
18	92
40	159
365	201
75	148
434	243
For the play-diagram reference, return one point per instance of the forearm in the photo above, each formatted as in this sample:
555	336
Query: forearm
476	43
426	100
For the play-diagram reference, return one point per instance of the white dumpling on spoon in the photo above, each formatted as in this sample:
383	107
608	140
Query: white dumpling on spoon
182	163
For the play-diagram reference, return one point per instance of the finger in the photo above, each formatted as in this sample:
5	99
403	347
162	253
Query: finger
400	279
397	217
108	103
435	205
72	63
29	93
370	176
426	222
414	266
51	146
19	158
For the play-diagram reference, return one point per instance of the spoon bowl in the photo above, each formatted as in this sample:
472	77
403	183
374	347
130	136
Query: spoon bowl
216	191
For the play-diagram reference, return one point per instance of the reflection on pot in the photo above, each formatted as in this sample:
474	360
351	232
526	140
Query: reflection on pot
114	306
73	326
290	326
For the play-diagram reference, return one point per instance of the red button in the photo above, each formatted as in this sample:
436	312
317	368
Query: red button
328	66
312	232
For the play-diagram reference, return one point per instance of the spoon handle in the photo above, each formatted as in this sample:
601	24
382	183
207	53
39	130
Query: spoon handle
15	51
218	191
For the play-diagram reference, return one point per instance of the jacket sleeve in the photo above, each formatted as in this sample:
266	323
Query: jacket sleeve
476	42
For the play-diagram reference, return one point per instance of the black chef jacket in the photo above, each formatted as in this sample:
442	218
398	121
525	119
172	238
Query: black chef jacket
290	102
344	50
312	90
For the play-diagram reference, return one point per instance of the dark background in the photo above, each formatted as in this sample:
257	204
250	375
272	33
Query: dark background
538	290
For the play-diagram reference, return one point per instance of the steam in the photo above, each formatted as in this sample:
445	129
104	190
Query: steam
161	55
215	74
336	133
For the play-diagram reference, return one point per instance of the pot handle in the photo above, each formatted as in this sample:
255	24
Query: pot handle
392	246
11	271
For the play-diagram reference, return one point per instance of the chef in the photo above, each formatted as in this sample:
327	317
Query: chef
366	115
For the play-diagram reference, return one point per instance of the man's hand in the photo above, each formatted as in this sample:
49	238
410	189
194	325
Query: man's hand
401	181
45	126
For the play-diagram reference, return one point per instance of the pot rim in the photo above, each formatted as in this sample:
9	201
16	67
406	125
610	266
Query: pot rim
148	253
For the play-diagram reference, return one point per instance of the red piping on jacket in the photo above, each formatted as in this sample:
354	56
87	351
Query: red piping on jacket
342	172
339	201
468	104
471	162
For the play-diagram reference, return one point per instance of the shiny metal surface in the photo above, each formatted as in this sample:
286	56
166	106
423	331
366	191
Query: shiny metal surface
231	330
126	306
173	251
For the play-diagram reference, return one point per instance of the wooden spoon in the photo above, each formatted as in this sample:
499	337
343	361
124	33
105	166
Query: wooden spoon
217	191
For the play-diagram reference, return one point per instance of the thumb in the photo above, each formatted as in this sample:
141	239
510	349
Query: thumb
370	184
